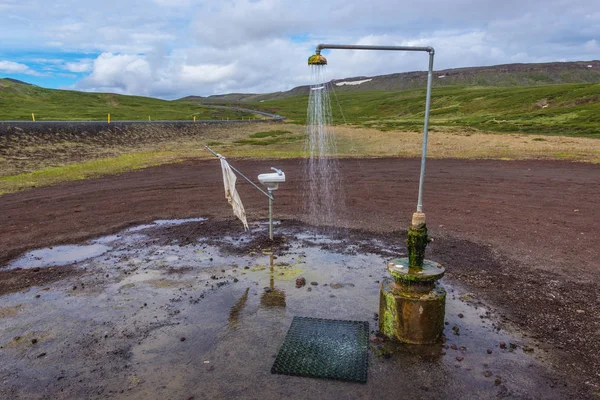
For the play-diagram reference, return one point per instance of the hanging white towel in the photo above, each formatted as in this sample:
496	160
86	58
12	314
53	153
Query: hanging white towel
231	194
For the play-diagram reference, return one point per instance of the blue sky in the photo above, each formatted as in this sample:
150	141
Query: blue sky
174	48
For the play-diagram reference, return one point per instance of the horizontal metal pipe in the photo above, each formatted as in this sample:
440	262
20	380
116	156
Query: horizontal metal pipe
320	47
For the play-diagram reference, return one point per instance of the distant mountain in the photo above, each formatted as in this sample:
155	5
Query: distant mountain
507	75
18	82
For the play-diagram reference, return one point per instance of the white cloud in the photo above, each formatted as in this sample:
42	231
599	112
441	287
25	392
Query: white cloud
85	65
172	48
11	67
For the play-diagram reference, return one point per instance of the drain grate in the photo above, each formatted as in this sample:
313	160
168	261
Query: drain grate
325	348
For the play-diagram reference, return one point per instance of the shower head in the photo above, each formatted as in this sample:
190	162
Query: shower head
317	59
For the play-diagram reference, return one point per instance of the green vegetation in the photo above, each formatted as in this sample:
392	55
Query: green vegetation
270	137
566	110
18	101
84	170
259	135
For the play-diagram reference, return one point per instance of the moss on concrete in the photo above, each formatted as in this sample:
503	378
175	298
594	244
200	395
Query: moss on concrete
416	242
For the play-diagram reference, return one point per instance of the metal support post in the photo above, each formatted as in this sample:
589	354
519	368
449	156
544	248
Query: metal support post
271	215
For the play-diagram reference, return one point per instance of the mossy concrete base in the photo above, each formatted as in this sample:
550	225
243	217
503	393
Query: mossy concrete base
411	317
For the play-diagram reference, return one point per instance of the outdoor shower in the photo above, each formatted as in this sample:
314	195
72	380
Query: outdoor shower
412	304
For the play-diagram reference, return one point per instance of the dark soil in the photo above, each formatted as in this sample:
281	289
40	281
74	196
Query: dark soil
522	235
20	279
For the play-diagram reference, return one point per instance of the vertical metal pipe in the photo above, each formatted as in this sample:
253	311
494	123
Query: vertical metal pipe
270	215
425	132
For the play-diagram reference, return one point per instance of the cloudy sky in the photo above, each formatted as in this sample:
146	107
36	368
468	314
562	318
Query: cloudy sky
174	48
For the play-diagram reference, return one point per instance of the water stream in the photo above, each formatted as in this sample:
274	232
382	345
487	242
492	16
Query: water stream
324	196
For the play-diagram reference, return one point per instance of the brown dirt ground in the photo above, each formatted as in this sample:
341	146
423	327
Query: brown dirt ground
521	234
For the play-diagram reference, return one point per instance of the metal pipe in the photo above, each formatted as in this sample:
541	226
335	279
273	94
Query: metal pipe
271	215
320	47
239	173
425	133
431	52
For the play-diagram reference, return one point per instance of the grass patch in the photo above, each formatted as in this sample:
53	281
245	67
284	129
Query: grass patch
84	170
268	138
260	135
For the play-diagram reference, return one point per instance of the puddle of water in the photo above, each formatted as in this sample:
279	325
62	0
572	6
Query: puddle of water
58	255
154	320
165	222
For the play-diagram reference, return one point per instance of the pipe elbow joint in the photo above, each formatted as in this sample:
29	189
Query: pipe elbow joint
430	50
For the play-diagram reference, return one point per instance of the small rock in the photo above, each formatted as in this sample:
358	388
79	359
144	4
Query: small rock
512	346
37	296
579	311
462	348
445	346
487	374
74	287
309	289
210	259
325	284
182	339
246	267
498	380
456	330
460	316
268	290
375	316
459	358
502	345
337	285
528	349
34	341
41	355
300	282
454	347
490	351
332	295
236	280
314	283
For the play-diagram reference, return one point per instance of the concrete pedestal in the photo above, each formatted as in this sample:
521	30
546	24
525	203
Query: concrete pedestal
416	318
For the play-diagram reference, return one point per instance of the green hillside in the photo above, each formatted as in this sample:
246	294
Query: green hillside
18	100
570	109
506	75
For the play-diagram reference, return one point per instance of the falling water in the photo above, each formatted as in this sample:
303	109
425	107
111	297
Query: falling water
323	194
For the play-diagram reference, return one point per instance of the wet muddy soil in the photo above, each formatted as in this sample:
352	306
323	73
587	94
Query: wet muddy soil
520	236
198	309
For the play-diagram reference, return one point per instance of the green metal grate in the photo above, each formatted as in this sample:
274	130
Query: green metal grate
325	348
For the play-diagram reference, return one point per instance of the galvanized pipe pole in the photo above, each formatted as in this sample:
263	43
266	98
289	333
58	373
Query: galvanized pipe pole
431	52
271	215
425	131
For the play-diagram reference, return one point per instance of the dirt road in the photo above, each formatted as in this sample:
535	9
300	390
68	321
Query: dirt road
522	234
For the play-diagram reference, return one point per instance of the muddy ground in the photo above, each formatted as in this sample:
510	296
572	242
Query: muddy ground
521	235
